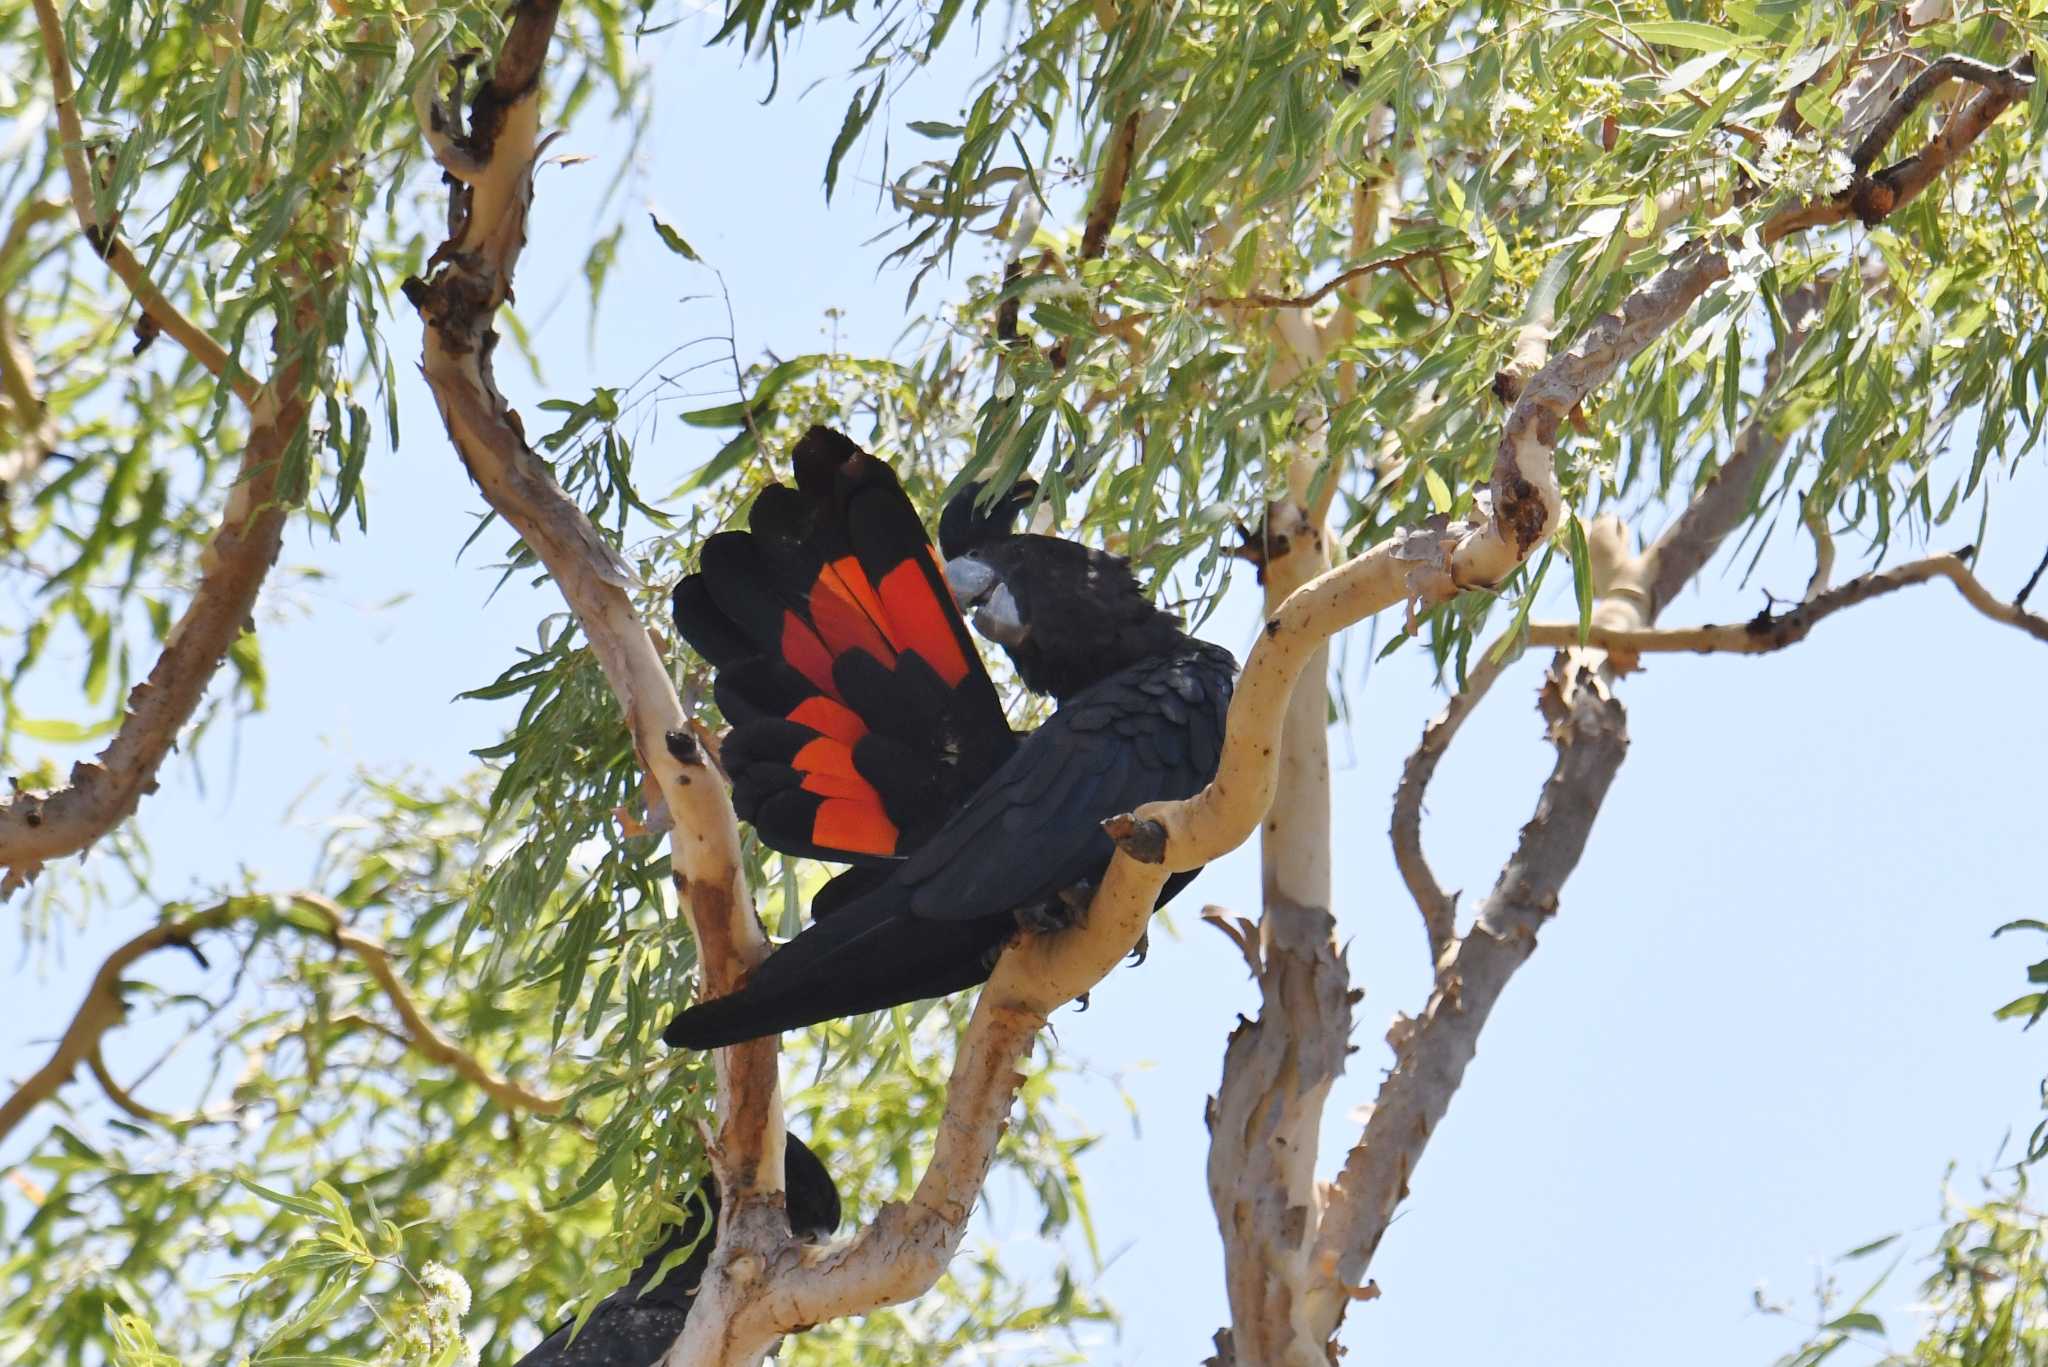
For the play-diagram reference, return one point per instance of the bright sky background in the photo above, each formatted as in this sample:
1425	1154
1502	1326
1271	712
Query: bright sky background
1757	1035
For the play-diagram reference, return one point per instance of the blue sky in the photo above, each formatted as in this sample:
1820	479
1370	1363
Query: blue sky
1757	1035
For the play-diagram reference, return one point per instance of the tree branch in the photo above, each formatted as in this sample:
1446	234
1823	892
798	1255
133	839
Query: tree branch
459	304
1872	198
1690	541
1767	632
1439	909
1263	300
37	826
2010	83
104	1008
1107	203
105	240
1434	1051
101	1011
420	1034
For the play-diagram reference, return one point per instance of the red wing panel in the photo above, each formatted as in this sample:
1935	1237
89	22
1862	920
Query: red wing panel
862	716
830	718
924	621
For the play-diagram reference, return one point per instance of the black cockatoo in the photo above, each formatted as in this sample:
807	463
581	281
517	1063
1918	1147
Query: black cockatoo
865	730
634	1326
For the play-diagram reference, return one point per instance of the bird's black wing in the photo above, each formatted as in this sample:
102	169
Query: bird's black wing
1153	732
1150	733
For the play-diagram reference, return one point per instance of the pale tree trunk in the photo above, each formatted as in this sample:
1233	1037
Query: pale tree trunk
1278	1068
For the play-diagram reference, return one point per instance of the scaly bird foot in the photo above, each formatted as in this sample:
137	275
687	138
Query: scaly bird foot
1063	911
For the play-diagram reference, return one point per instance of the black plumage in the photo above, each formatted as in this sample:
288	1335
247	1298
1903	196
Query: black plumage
634	1326
1141	717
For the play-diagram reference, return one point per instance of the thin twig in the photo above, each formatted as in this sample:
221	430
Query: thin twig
1263	300
1439	909
105	240
2020	599
1767	632
2006	81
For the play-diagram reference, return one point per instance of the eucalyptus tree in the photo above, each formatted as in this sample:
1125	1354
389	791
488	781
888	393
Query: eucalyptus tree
1410	305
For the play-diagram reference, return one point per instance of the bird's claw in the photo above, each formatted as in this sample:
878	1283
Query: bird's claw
1064	910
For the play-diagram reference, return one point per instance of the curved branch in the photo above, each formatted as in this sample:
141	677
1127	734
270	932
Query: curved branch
2008	82
1439	909
421	1035
101	1011
37	826
84	202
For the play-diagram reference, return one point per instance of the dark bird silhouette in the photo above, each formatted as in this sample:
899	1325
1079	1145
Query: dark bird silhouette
866	731
635	1325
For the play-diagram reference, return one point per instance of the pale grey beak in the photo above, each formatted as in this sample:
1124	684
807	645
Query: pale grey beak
970	580
978	589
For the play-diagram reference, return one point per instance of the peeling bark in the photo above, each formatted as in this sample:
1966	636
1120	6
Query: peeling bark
1279	1068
